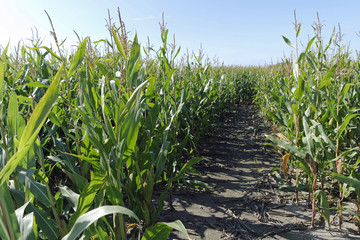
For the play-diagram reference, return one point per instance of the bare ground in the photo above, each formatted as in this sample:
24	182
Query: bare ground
243	200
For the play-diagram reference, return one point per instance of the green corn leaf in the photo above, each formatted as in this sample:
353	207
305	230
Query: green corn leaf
105	110
150	91
2	76
311	62
323	135
345	89
109	43
177	53
300	89
94	139
39	190
92	161
66	163
86	198
36	84
102	68
293	149
7	213
114	195
162	230
118	43
41	111
295	108
351	153
169	74
48	226
301	57
326	81
345	123
47	49
99	41
324	205
152	118
348	210
331	40
3	230
33	127
3	55
298	30
309	140
84	221
273	116
358	161
20	212
288	42
164	36
27	231
12	118
79	55
25	70
188	165
135	95
330	103
305	166
161	158
178	225
70	195
309	44
133	64
78	180
25	222
347	179
131	125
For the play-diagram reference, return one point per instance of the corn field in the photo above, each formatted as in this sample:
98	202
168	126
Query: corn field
312	102
88	138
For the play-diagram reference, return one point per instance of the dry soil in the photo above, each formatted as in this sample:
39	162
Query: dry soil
243	199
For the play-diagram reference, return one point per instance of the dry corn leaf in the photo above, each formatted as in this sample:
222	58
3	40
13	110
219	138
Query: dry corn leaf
285	160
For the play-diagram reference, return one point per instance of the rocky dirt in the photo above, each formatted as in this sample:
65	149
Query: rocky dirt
243	200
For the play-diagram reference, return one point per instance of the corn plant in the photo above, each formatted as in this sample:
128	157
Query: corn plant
86	137
311	99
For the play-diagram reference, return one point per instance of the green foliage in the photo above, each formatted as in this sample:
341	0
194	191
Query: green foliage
312	101
86	137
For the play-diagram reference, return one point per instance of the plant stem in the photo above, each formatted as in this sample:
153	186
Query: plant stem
119	227
313	202
62	227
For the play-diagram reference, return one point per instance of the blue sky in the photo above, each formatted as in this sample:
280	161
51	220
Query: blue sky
235	32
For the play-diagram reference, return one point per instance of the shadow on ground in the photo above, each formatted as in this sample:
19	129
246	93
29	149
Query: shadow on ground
242	201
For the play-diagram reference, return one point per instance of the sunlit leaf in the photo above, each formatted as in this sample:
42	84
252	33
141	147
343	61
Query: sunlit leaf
84	221
78	57
288	42
33	127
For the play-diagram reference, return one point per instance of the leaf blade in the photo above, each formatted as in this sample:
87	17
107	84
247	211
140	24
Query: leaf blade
84	221
288	42
79	55
33	127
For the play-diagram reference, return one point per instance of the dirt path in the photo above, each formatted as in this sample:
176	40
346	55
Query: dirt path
243	200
